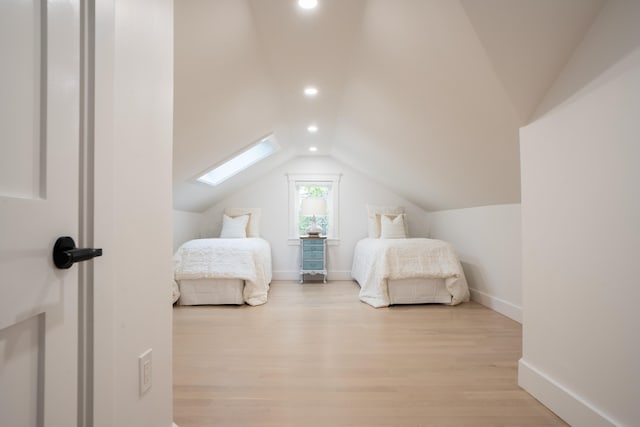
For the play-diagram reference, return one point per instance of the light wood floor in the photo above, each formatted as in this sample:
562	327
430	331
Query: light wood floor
316	356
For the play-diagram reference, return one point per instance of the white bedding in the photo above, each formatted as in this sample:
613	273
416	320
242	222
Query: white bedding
247	259
375	261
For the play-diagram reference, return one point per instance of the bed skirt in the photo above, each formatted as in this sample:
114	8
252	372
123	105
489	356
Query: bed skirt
418	291
211	291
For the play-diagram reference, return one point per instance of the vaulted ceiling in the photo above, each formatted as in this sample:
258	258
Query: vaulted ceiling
423	96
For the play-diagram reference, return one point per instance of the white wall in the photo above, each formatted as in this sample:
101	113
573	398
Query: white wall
134	80
186	226
488	242
580	232
271	194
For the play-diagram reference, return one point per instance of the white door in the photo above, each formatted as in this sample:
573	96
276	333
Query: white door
39	150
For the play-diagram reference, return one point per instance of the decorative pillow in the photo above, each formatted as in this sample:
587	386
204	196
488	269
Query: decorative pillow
253	227
234	228
392	227
373	219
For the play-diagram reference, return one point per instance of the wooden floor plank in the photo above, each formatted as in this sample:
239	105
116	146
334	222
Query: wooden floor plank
316	356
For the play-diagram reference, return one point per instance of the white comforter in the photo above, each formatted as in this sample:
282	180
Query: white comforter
377	260
247	259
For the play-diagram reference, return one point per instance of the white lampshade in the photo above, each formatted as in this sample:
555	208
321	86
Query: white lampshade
313	206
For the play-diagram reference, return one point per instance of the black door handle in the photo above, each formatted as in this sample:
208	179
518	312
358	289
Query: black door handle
65	253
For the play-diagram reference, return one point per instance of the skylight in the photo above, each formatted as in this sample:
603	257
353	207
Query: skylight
250	156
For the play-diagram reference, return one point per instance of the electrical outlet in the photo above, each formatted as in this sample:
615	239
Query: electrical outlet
144	371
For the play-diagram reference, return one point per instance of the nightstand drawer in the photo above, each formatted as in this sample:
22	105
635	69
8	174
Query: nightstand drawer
313	255
307	249
309	245
312	265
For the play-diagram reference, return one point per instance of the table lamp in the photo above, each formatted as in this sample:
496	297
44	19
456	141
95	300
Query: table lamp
312	206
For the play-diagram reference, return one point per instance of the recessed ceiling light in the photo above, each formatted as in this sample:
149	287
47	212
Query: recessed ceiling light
310	91
312	128
313	149
308	4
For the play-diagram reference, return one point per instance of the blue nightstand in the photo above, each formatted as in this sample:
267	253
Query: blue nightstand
313	257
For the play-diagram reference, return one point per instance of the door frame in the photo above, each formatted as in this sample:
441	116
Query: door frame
109	37
86	213
98	372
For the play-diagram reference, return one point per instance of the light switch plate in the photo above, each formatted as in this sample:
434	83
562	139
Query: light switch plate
144	371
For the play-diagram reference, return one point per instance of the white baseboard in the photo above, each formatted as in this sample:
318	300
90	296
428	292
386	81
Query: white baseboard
340	275
496	304
285	275
565	403
295	275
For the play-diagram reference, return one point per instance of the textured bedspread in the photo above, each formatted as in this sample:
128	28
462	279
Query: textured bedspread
247	259
377	260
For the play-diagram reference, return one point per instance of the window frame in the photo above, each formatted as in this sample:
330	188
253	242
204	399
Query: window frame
331	180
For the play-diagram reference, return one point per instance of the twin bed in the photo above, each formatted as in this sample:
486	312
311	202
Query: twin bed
232	269
394	269
408	271
223	271
389	267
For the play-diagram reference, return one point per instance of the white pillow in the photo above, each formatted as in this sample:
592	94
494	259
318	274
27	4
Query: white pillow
234	228
392	227
253	228
373	217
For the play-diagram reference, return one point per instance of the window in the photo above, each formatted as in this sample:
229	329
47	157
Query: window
251	155
325	186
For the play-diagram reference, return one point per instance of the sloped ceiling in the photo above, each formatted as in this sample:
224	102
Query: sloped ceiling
425	97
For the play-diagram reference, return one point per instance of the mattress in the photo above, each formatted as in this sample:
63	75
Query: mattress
211	291
418	291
